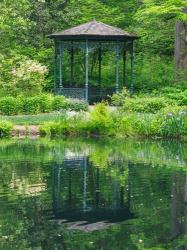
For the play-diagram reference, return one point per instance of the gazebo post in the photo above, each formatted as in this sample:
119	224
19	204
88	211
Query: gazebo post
132	69
55	67
72	65
100	59
86	70
117	67
61	86
124	66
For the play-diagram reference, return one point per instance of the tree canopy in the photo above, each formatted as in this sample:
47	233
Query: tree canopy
24	25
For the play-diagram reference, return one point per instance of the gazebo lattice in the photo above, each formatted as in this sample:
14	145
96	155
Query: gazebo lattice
92	36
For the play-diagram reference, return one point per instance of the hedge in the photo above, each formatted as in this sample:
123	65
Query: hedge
39	104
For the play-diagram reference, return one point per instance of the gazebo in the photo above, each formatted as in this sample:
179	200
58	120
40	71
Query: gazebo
92	36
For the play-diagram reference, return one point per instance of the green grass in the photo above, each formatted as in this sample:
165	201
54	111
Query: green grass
38	119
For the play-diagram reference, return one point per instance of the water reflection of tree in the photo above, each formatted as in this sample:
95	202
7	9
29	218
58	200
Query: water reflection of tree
179	207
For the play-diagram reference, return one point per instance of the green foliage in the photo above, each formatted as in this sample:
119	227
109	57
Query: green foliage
36	119
28	105
21	75
100	120
170	122
167	7
8	106
76	105
59	102
39	104
124	124
154	21
142	104
177	94
48	129
44	102
5	128
118	99
146	104
153	71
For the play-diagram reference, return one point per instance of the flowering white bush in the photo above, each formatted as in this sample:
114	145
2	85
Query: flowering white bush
22	76
29	76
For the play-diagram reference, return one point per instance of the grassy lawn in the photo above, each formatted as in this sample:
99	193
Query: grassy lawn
38	119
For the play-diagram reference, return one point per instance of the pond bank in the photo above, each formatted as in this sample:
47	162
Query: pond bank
100	122
34	131
23	131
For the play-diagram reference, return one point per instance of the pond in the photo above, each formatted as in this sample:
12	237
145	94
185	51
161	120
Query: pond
93	194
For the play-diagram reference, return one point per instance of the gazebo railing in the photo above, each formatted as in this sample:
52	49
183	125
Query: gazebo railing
78	93
95	94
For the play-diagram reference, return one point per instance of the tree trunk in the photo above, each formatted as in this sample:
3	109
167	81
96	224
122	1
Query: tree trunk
181	44
179	208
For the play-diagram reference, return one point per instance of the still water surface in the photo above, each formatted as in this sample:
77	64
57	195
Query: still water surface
93	194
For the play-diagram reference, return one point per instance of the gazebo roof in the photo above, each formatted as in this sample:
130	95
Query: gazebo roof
94	30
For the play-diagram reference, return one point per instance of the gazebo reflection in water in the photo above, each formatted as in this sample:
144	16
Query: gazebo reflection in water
86	197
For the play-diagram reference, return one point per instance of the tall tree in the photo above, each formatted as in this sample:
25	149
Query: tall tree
181	43
165	12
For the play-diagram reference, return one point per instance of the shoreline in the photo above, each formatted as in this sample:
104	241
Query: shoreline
33	131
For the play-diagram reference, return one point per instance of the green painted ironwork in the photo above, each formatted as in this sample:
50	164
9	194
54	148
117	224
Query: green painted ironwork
117	67
132	70
100	59
60	86
92	37
124	66
72	66
119	47
55	69
86	70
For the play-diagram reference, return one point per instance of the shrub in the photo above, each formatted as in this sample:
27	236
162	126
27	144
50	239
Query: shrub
59	102
100	121
183	101
179	96
118	99
20	75
77	105
141	103
153	72
8	106
170	122
44	103
5	128
45	128
28	105
39	104
142	125
146	104
124	123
